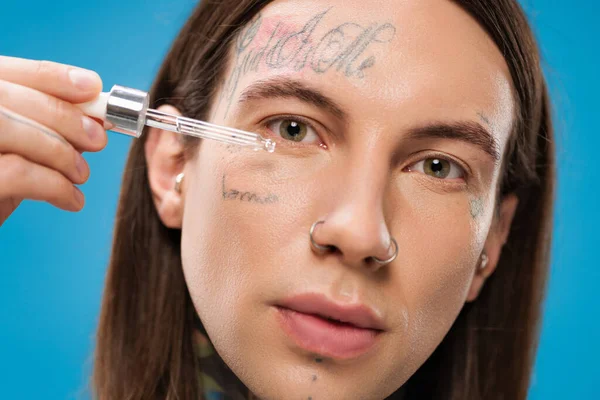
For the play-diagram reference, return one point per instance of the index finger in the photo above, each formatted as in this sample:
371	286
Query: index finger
72	84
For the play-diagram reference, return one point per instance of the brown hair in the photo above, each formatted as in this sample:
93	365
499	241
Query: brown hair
144	342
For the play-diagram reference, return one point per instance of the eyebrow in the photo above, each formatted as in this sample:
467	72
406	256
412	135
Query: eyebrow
282	87
470	132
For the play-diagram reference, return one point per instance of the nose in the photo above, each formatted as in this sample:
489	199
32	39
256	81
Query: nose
356	232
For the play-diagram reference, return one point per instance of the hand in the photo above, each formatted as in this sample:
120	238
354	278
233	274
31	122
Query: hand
42	133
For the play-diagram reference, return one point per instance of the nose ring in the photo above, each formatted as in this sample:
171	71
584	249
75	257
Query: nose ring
317	247
392	258
323	249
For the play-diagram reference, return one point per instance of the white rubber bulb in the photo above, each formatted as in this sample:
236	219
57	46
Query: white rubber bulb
97	108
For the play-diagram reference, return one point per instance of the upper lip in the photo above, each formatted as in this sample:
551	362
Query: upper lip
356	314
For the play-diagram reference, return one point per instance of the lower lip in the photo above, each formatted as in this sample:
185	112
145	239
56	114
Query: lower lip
318	335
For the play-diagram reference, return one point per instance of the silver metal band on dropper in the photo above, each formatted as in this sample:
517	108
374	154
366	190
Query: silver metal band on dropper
126	110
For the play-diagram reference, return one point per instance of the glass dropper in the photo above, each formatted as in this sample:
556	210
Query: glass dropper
125	110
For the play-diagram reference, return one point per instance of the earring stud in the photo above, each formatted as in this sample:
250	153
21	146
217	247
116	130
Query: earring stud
484	261
178	181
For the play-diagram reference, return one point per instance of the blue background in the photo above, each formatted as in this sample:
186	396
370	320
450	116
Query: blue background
52	263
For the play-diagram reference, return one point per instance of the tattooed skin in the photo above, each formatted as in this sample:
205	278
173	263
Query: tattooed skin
20	120
476	207
250	197
343	49
484	118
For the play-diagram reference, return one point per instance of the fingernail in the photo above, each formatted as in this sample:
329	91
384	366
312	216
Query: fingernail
93	129
84	79
81	166
78	196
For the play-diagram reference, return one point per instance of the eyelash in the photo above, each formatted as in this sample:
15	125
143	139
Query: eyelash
450	182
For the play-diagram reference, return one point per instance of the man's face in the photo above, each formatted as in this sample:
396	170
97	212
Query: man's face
389	119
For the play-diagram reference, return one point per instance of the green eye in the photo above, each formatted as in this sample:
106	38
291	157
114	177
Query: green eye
293	130
437	167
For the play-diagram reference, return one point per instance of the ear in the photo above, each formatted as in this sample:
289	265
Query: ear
164	156
495	242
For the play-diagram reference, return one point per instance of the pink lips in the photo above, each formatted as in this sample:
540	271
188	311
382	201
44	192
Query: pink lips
329	329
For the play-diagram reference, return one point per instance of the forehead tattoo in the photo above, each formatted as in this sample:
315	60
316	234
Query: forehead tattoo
273	43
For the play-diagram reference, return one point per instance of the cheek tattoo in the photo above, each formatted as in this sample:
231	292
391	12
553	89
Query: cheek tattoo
249	197
476	207
343	49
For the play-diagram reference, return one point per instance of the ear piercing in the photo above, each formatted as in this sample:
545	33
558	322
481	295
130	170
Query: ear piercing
484	261
178	181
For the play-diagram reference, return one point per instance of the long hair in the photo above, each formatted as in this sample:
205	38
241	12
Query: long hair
144	342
